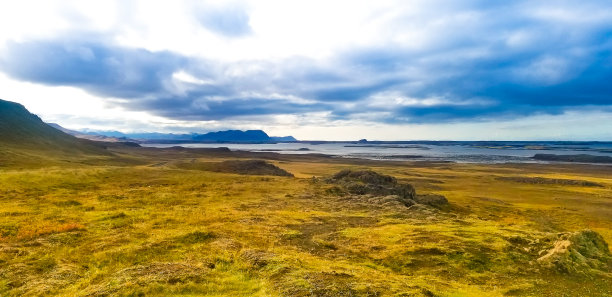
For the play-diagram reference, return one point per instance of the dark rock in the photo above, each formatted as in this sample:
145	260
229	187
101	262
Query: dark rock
368	182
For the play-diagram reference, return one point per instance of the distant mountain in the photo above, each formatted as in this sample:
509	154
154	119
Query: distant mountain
67	131
234	136
90	136
142	136
283	138
249	136
24	131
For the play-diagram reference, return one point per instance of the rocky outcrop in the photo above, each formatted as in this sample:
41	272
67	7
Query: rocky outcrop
369	182
578	252
379	186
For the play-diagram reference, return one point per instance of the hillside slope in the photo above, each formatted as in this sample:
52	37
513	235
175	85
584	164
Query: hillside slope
25	137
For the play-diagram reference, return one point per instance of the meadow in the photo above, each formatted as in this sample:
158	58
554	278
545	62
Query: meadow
160	222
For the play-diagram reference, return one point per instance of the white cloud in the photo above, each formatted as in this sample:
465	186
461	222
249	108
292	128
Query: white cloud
75	109
312	35
391	100
183	76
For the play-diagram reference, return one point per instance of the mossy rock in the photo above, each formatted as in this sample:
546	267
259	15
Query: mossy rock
364	176
578	252
368	182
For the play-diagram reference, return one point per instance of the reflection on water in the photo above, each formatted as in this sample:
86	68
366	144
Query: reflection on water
472	152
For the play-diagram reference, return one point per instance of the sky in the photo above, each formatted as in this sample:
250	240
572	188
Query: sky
317	70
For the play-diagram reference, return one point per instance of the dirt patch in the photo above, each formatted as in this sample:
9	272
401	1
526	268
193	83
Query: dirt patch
256	258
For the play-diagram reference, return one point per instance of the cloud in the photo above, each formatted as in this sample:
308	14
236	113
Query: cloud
469	61
163	83
99	68
205	108
228	20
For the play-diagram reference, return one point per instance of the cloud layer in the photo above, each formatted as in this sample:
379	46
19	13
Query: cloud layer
392	62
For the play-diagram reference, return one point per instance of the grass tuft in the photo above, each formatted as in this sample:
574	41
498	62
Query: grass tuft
196	237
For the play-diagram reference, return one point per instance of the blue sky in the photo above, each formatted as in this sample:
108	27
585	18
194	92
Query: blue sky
315	69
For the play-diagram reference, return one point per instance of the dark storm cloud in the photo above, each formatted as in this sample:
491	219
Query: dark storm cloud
552	74
144	80
204	108
98	68
349	93
506	60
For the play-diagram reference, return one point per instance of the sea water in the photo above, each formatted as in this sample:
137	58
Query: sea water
455	151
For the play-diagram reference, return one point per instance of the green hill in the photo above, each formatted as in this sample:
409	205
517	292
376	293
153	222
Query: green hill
26	139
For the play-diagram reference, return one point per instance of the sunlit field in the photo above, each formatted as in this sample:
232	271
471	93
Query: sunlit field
159	223
339	148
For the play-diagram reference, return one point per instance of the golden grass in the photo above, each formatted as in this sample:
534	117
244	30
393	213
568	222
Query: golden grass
140	230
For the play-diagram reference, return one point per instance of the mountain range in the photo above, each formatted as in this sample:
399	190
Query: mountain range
25	140
19	127
227	136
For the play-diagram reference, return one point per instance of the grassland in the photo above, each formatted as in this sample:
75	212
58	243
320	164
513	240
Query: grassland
149	222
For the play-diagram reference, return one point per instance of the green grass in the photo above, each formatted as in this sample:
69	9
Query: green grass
137	230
